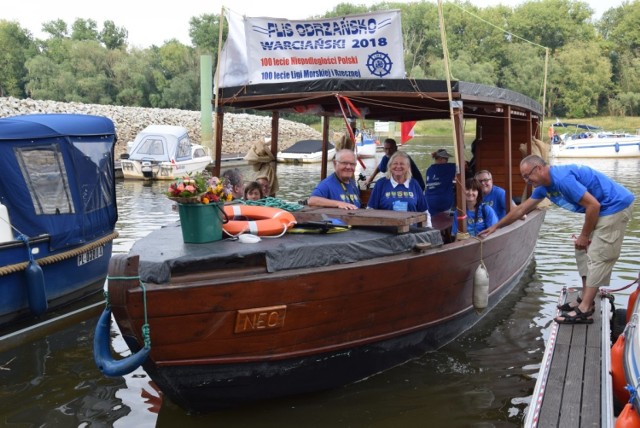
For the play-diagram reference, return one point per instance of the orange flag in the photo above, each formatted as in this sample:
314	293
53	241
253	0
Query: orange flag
406	131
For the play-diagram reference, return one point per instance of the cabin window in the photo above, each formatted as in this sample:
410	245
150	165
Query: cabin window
198	153
46	178
152	147
184	148
94	164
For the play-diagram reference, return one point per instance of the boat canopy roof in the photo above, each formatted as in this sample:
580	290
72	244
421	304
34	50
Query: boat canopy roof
307	146
576	125
161	143
396	100
58	176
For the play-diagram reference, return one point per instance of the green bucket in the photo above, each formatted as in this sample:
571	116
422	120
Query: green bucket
201	223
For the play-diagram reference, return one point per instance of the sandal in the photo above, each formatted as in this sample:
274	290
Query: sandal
567	306
579	318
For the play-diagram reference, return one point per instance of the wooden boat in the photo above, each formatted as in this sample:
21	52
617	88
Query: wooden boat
231	322
163	152
305	151
588	141
57	211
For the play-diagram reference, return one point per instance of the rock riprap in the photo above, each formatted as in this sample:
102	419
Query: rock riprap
240	132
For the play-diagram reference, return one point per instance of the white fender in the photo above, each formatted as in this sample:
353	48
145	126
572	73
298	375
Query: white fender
481	288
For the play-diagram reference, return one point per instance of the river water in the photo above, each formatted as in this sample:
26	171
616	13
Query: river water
485	378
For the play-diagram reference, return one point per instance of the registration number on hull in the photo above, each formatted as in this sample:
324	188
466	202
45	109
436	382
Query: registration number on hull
91	255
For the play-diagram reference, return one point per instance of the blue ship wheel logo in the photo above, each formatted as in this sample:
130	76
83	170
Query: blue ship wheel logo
379	64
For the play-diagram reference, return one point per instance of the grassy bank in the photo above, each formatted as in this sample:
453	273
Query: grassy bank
437	128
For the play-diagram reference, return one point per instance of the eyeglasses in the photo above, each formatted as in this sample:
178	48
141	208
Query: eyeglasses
484	180
526	176
351	164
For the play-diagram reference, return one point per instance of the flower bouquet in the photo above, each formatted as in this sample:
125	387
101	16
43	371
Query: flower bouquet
199	188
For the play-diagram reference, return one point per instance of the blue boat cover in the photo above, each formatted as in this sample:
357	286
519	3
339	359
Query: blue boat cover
58	176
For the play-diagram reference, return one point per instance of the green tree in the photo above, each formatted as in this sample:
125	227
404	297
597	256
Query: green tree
113	37
84	29
16	47
56	29
204	31
585	79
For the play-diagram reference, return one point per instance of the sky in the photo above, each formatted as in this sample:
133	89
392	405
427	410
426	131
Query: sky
151	23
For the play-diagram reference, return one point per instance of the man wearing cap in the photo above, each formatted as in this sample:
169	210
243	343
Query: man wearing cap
390	147
440	190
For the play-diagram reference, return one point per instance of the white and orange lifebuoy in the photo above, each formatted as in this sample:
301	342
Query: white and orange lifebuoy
257	220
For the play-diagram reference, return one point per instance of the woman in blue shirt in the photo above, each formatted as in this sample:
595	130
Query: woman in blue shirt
398	190
479	216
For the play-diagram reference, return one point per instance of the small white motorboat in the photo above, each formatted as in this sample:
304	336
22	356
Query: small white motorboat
163	152
366	145
305	151
587	141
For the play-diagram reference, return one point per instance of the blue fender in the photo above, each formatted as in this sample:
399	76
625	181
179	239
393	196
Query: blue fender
36	291
617	146
102	350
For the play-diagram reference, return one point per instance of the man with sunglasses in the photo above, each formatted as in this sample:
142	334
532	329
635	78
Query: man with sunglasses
492	195
607	207
339	190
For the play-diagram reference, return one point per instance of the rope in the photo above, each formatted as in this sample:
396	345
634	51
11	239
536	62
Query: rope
5	270
636	281
275	203
146	330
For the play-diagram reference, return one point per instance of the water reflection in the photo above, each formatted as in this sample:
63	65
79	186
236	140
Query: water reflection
484	378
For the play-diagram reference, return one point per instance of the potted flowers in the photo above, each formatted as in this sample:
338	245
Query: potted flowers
199	197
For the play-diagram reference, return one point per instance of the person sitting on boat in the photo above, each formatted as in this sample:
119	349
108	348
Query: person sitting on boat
235	181
253	191
339	190
492	195
263	181
398	190
390	147
607	207
439	190
479	215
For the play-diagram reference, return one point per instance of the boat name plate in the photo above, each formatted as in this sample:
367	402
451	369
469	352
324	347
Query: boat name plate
256	319
91	255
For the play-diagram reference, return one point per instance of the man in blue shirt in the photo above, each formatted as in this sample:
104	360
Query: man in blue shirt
439	187
339	190
492	195
607	207
390	147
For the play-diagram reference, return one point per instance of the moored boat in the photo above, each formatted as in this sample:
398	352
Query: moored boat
163	152
57	211
588	141
224	323
366	145
305	151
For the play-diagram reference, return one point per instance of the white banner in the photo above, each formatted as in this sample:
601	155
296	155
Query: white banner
279	50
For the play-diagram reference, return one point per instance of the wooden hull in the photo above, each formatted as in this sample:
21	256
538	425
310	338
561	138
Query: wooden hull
227	335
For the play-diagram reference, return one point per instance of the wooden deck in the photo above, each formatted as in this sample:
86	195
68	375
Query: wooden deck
574	383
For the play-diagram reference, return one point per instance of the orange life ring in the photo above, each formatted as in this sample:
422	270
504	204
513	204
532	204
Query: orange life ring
261	221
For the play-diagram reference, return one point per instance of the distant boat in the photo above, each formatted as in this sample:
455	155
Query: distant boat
163	152
57	211
305	151
588	141
366	145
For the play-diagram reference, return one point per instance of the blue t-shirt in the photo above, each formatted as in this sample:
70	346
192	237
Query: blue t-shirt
439	188
389	195
332	188
496	199
570	182
415	171
486	217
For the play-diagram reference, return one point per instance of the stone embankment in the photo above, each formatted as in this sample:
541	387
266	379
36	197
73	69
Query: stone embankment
240	132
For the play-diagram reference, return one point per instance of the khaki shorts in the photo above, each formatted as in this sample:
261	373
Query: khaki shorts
606	243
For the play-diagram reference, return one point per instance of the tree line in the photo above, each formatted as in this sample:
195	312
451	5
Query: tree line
593	65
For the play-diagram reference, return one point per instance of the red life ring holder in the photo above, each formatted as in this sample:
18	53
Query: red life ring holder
261	221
